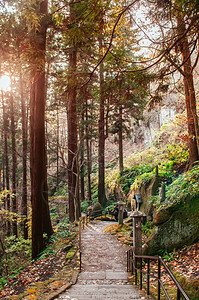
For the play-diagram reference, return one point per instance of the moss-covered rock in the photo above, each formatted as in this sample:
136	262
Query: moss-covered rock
96	210
177	225
147	191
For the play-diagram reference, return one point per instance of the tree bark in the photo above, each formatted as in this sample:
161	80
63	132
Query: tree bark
57	158
88	154
193	150
24	162
7	173
120	140
82	184
73	180
190	100
40	209
101	161
72	136
14	167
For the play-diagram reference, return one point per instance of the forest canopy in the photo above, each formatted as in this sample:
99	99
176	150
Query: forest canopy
73	74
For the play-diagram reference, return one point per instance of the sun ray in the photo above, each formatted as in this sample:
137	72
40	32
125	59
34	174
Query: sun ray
4	83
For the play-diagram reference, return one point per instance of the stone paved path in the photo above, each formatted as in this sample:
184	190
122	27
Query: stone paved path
104	273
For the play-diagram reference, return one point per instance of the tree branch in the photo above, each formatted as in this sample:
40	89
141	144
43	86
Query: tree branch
110	42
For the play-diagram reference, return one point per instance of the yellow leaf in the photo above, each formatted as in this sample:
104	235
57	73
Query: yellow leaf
32	291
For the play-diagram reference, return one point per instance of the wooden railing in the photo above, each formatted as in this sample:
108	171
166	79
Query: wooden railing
135	265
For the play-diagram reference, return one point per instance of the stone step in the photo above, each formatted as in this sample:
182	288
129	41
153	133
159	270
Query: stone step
103	275
100	292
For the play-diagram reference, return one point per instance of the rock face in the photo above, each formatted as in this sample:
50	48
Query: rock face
144	132
176	226
147	191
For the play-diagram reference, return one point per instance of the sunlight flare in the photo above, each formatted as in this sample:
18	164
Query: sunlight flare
4	83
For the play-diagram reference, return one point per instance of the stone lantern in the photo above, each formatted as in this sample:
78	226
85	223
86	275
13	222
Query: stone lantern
137	218
121	206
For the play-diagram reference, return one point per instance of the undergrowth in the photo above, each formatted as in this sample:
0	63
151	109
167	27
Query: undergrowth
16	252
171	159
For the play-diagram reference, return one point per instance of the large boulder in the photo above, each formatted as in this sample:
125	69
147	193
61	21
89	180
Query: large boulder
176	226
96	210
147	190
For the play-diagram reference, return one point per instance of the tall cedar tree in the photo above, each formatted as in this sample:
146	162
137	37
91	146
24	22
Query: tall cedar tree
190	100
24	162
73	188
101	139
14	166
88	152
182	43
7	170
82	149
40	211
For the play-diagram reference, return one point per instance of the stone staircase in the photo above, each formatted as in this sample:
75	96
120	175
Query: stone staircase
104	273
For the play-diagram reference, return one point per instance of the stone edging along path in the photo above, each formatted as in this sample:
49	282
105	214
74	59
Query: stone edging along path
104	273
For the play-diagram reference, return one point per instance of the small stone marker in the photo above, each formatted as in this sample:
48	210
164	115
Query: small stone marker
162	193
121	205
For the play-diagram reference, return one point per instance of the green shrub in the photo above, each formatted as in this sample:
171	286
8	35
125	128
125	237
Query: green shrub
84	206
185	186
128	176
18	252
147	228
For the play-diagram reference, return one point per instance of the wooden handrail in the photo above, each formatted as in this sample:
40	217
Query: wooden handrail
132	267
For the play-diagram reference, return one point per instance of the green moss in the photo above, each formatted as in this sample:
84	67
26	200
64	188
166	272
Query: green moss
177	225
70	254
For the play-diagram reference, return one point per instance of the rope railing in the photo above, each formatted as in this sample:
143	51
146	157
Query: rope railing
135	264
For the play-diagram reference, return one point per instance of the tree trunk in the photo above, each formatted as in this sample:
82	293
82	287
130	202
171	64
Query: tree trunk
24	162
40	209
120	140
82	184
88	154
72	136
193	150
47	226
190	100
101	161
57	158
3	165
38	168
73	182
7	175
14	167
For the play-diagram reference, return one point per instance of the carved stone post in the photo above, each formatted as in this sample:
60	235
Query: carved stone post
137	217
121	205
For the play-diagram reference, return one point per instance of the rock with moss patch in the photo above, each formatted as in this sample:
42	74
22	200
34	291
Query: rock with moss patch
97	210
177	225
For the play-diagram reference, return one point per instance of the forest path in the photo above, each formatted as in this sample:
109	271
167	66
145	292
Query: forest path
104	273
